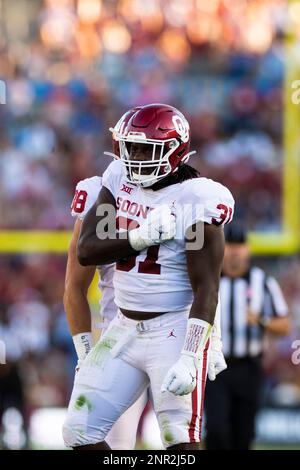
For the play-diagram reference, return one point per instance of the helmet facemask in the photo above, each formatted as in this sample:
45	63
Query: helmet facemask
147	172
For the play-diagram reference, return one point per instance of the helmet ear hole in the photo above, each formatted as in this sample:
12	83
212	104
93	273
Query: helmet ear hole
171	145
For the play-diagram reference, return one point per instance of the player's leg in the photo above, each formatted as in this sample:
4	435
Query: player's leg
179	417
105	387
122	436
98	399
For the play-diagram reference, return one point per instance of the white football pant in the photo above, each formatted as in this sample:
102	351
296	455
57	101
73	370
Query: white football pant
130	356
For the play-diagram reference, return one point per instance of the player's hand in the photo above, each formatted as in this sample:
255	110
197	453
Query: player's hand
160	226
216	361
181	378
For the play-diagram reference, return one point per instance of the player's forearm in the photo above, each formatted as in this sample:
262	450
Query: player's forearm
91	251
205	303
99	242
77	311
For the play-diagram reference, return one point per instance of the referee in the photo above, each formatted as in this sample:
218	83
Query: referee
251	305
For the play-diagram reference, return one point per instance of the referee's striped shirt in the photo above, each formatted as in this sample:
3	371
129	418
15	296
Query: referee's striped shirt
255	291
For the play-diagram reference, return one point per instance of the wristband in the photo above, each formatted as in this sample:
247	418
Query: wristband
197	334
83	343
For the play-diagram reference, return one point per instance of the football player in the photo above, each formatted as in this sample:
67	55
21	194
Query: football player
166	285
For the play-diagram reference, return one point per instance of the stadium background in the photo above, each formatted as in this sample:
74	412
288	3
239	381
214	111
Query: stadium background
71	69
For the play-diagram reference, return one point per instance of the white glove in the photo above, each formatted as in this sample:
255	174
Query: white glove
181	378
216	361
159	227
83	343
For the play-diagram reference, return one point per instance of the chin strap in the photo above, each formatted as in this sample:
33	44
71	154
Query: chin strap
113	155
187	156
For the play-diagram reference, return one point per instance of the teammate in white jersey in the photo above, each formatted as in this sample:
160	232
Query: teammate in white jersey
123	434
78	279
166	286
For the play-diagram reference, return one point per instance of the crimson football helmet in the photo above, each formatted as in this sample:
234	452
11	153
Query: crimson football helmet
167	133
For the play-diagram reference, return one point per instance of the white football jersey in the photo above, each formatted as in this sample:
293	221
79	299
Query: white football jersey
156	279
86	194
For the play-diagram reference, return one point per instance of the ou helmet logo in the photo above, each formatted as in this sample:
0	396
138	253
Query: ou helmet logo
182	127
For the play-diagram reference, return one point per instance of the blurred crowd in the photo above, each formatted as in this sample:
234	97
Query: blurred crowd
71	69
61	102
